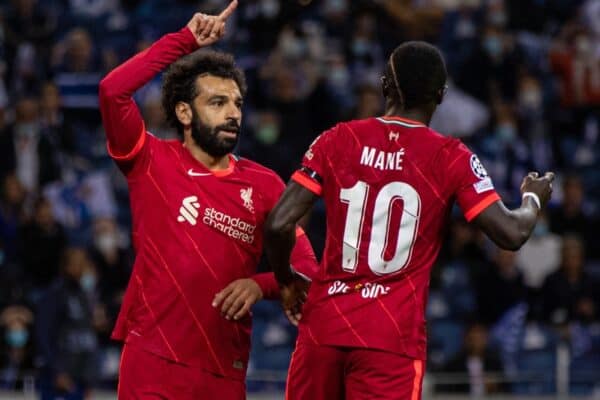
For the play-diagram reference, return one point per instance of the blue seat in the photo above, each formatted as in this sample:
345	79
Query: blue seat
536	362
445	339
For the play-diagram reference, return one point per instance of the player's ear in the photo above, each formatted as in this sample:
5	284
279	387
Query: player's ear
183	111
441	94
385	87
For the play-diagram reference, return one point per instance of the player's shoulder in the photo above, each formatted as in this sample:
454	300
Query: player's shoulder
358	126
257	171
346	130
442	143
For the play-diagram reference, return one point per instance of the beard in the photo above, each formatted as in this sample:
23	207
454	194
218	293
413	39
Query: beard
207	137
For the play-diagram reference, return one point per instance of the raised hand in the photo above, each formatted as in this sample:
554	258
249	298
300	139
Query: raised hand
208	29
540	186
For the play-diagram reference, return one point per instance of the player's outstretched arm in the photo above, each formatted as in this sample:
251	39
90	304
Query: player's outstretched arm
510	229
121	117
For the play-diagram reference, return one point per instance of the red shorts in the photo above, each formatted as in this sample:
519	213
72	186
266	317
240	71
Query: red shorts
332	373
144	375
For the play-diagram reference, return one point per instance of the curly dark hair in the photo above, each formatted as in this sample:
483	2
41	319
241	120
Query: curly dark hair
179	81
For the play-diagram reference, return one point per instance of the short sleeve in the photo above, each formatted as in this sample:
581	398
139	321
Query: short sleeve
470	183
314	163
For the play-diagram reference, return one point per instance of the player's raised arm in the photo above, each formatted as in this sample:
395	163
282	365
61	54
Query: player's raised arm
122	120
510	229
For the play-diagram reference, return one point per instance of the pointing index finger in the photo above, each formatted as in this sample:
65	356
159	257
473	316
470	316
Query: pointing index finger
228	11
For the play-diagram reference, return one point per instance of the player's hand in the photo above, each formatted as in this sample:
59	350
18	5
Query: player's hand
540	186
293	297
208	29
237	298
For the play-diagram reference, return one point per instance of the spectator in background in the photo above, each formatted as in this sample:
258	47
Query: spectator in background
56	128
476	361
532	121
16	358
28	27
77	73
491	70
25	150
500	287
570	293
458	35
505	153
575	61
65	331
41	244
571	216
577	64
93	8
154	116
12	213
113	266
540	255
419	19
460	115
369	102
463	247
364	54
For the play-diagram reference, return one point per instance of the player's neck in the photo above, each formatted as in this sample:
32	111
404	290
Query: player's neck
414	114
209	161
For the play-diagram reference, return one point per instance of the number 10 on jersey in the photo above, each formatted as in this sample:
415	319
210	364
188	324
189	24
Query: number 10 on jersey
357	198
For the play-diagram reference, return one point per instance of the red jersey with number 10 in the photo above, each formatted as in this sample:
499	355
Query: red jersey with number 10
389	185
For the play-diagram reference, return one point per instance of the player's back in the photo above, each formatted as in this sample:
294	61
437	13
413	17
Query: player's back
388	185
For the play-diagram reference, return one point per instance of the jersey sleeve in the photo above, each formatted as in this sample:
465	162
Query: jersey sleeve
315	163
125	132
470	183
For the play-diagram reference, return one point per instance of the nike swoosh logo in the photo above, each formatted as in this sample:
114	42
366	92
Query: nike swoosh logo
192	173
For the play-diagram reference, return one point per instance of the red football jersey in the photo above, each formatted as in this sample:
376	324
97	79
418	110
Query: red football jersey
389	185
194	230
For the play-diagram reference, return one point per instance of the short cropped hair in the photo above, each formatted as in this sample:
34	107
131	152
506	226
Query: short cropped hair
420	72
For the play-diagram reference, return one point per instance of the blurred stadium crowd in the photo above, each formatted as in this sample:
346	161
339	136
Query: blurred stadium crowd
524	94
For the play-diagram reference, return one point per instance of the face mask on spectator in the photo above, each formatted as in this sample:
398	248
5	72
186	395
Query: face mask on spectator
292	47
360	46
338	77
270	8
17	338
335	6
106	242
267	134
506	132
87	282
498	18
531	99
493	45
26	129
583	45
